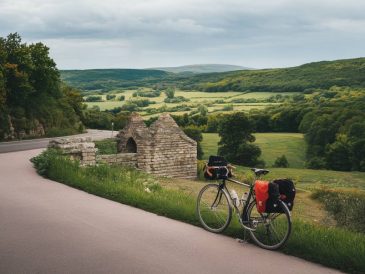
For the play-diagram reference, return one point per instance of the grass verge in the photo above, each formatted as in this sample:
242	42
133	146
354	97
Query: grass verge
333	247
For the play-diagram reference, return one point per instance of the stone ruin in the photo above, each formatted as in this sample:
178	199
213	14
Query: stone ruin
162	149
79	148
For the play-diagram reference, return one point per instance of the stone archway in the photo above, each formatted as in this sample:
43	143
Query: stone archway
131	146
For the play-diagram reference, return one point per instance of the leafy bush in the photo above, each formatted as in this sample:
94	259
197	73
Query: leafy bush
316	163
149	94
43	161
110	96
281	161
93	98
121	98
178	99
347	207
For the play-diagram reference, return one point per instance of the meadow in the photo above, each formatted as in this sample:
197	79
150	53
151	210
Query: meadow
215	102
272	145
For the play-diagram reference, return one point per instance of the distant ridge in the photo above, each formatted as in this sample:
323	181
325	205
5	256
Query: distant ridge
201	68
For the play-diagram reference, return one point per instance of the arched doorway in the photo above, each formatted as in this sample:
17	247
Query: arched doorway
131	146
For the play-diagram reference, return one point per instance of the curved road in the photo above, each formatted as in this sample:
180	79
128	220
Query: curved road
95	134
47	227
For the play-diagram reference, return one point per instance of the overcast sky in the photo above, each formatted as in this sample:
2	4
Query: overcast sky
149	33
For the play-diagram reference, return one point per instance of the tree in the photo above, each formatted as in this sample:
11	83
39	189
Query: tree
338	154
195	133
170	92
235	131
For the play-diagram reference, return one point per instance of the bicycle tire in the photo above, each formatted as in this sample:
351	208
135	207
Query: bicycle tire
279	225
211	217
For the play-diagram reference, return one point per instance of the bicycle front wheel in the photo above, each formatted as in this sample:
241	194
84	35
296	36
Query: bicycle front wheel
270	230
213	208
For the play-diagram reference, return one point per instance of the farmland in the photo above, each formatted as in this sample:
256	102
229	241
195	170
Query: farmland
215	102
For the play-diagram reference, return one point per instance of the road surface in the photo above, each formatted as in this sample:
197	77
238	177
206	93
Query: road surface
95	134
47	227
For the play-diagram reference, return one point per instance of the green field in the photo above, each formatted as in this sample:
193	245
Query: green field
272	145
196	98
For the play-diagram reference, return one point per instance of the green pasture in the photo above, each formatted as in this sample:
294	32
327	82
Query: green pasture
196	98
272	145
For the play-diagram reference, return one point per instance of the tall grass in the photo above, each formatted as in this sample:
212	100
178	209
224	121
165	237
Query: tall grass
333	247
347	206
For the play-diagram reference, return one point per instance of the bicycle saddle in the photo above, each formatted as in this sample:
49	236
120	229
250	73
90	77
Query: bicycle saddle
259	171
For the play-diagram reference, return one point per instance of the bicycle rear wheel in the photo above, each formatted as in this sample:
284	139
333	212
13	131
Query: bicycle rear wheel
271	230
213	208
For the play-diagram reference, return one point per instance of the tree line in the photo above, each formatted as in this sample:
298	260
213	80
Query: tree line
33	101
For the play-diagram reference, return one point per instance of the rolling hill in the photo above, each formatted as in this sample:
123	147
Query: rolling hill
348	72
202	68
324	74
107	79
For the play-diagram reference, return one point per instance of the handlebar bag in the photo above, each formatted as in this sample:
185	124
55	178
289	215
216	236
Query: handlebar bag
216	172
217	161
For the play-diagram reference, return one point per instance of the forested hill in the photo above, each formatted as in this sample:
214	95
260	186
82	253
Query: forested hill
107	79
325	74
348	72
202	68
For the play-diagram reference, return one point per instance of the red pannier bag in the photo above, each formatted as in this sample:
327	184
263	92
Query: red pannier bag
267	197
262	195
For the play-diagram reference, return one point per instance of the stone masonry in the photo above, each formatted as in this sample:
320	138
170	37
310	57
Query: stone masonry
81	148
162	149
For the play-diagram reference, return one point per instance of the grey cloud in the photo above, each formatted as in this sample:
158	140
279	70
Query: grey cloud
114	33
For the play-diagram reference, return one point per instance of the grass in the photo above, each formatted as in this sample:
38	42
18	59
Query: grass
196	98
106	146
272	145
332	247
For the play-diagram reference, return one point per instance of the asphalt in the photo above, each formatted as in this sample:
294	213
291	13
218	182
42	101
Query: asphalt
43	142
47	227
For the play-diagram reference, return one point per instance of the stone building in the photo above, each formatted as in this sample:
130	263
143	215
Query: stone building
162	149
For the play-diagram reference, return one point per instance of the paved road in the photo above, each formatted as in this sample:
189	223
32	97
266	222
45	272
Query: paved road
43	142
47	227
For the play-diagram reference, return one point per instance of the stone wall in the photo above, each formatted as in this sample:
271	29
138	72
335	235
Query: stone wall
175	154
162	149
80	148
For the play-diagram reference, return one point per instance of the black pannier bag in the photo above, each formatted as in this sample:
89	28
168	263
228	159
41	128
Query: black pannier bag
216	168
272	204
287	191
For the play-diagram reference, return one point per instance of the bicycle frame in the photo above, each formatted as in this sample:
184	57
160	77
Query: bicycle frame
241	215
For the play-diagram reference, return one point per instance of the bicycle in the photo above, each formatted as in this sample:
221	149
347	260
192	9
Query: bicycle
215	206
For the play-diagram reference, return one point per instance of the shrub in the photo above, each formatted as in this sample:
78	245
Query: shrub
281	162
43	161
121	98
110	96
93	98
227	108
177	99
316	163
347	207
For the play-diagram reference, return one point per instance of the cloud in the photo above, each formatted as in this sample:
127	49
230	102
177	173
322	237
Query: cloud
144	33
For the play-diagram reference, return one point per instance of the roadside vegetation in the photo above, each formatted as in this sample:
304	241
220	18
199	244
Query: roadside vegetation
331	246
